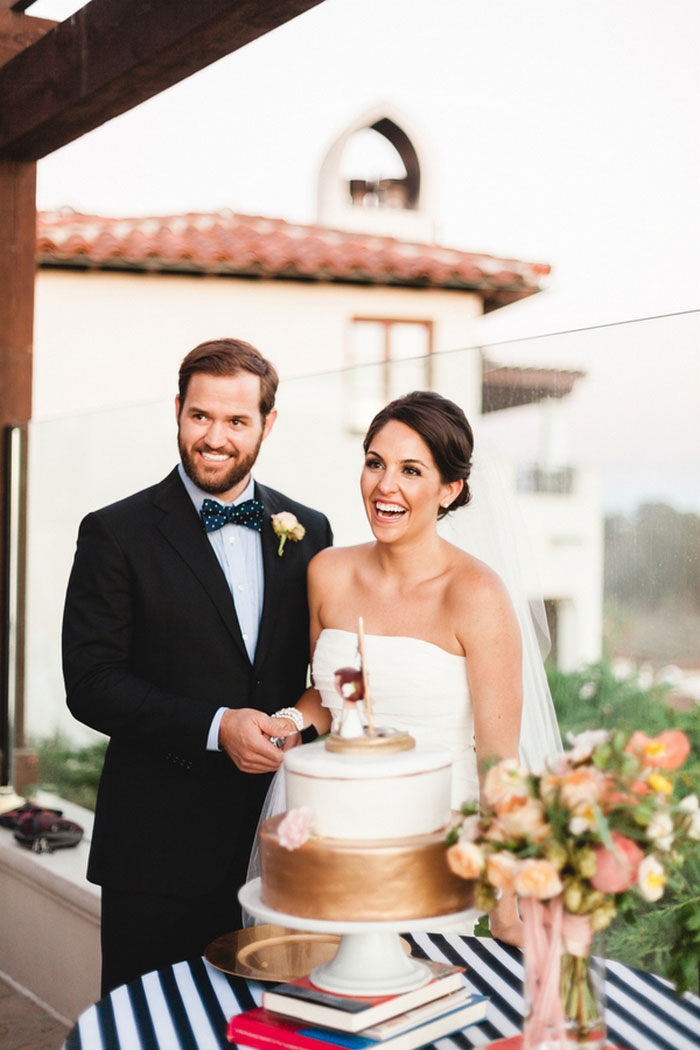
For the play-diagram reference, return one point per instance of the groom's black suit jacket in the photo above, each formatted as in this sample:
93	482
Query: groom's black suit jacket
151	649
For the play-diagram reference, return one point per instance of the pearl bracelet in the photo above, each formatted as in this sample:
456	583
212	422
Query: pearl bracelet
293	714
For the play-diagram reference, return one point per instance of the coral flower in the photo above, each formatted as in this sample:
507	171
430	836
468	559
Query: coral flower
668	750
616	869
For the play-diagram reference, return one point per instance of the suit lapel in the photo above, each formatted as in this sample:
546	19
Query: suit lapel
182	528
273	568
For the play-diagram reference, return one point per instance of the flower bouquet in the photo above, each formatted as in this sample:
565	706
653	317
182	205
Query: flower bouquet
574	843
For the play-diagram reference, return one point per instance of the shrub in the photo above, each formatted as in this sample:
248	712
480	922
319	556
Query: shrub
73	773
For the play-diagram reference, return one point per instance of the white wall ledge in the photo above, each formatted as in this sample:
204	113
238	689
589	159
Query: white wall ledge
50	918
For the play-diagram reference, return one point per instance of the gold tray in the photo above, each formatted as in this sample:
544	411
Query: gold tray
273	953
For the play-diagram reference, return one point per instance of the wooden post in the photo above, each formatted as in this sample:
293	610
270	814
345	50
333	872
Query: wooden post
17	273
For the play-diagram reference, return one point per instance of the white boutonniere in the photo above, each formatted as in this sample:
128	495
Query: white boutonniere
287	527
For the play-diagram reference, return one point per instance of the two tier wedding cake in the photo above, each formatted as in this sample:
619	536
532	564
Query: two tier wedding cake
375	849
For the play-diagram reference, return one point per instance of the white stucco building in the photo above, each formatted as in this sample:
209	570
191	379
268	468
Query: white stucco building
353	311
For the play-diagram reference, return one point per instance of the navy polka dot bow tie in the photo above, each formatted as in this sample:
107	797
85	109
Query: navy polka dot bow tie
215	515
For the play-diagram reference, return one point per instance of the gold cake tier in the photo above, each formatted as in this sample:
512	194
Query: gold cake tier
360	881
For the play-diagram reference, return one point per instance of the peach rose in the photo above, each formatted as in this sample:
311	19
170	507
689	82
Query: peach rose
500	869
524	819
466	860
581	787
537	878
505	781
617	870
549	787
668	750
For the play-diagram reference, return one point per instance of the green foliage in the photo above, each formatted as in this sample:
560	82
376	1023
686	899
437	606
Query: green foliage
663	937
73	773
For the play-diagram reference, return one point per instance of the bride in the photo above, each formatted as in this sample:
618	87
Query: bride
443	644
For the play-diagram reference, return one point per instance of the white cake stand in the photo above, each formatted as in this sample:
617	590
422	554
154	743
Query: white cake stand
370	958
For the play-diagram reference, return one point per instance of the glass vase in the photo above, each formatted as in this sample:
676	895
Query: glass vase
564	980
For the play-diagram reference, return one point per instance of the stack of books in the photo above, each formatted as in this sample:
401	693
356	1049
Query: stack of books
299	1016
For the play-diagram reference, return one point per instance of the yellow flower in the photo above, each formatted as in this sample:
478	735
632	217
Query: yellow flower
660	784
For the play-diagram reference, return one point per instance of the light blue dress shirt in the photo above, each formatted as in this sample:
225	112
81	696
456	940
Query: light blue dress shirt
239	552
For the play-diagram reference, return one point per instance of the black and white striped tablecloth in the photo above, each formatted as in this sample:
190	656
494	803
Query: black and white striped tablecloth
187	1006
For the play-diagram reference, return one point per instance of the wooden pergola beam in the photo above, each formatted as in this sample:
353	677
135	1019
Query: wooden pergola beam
18	32
114	54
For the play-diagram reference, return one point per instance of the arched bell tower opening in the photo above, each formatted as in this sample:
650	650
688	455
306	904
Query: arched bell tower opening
374	179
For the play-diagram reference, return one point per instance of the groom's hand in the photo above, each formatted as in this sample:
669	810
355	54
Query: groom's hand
244	734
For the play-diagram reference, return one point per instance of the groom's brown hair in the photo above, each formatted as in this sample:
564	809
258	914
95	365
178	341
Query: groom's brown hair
228	357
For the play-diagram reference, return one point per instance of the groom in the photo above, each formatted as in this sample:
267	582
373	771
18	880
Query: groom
184	631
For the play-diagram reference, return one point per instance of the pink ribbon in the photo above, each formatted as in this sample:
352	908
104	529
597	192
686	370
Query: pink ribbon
543	924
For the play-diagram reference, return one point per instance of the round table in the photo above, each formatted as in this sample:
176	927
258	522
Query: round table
187	1006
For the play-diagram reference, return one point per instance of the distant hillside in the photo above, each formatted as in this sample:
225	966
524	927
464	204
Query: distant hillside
652	585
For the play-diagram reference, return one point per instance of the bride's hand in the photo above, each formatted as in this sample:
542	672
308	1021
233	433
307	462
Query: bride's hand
286	728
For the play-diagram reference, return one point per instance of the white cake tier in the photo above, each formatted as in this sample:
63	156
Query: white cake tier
370	796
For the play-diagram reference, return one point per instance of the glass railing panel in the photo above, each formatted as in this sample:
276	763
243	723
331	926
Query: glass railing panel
605	477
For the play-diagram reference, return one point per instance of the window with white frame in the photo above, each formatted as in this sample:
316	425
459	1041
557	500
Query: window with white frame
387	357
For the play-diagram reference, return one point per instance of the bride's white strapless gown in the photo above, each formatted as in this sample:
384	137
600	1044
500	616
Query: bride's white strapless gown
415	686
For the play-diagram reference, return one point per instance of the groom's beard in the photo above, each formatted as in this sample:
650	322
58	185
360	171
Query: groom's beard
240	466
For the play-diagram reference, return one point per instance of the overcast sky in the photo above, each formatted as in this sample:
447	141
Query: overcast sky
558	130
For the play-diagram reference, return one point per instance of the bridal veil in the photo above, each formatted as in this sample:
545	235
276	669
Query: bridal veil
491	527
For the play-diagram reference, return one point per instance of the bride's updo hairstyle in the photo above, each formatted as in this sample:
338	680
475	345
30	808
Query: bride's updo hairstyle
445	429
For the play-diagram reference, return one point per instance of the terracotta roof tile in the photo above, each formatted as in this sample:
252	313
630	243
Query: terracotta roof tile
245	245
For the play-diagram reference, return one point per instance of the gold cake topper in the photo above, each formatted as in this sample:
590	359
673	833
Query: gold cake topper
352	736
